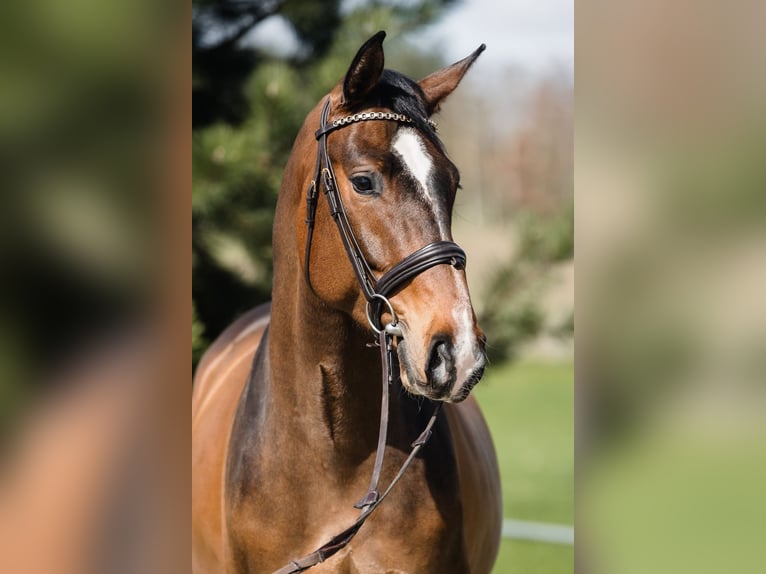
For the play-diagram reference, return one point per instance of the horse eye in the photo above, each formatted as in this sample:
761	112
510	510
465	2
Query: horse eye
363	184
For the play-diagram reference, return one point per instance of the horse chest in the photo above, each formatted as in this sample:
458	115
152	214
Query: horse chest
399	547
418	529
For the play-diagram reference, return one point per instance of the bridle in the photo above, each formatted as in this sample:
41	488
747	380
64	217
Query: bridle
376	291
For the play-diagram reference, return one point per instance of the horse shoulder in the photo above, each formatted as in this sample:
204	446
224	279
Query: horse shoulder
479	484
238	340
218	384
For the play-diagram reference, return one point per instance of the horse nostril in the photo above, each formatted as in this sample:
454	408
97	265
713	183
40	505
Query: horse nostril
440	362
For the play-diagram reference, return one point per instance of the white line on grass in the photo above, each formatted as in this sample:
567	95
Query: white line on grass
538	531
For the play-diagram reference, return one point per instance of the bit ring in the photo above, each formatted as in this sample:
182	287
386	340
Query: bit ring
391	325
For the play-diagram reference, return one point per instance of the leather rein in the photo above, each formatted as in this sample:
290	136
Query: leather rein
376	291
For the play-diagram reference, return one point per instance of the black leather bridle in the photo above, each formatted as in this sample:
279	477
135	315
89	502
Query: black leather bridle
376	291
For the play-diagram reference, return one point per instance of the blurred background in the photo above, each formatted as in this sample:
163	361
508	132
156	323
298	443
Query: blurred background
260	66
670	214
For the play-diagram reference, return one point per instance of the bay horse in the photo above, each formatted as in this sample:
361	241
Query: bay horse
285	424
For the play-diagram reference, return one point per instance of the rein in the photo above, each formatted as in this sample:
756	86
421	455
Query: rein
376	291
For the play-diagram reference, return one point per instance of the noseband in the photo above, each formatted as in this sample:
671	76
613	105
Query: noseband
376	291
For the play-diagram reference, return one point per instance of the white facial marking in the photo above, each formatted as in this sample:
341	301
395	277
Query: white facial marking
410	148
465	339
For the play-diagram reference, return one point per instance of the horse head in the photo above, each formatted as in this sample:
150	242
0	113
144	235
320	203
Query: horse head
396	187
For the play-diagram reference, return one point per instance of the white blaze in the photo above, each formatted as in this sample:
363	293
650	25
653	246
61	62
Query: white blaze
411	149
409	146
465	339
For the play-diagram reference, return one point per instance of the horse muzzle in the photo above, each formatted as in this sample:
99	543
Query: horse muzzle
446	369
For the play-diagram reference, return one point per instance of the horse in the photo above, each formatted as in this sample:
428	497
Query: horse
368	286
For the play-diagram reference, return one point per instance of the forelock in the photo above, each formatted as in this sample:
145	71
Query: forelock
400	94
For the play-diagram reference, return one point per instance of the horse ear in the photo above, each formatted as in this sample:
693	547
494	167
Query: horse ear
441	84
365	70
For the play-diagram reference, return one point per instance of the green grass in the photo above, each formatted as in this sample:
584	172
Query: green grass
520	556
530	410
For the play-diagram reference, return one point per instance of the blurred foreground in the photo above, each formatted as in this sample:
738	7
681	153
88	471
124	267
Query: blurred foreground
93	379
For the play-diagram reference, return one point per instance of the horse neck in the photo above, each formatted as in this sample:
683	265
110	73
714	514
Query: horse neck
321	370
323	373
